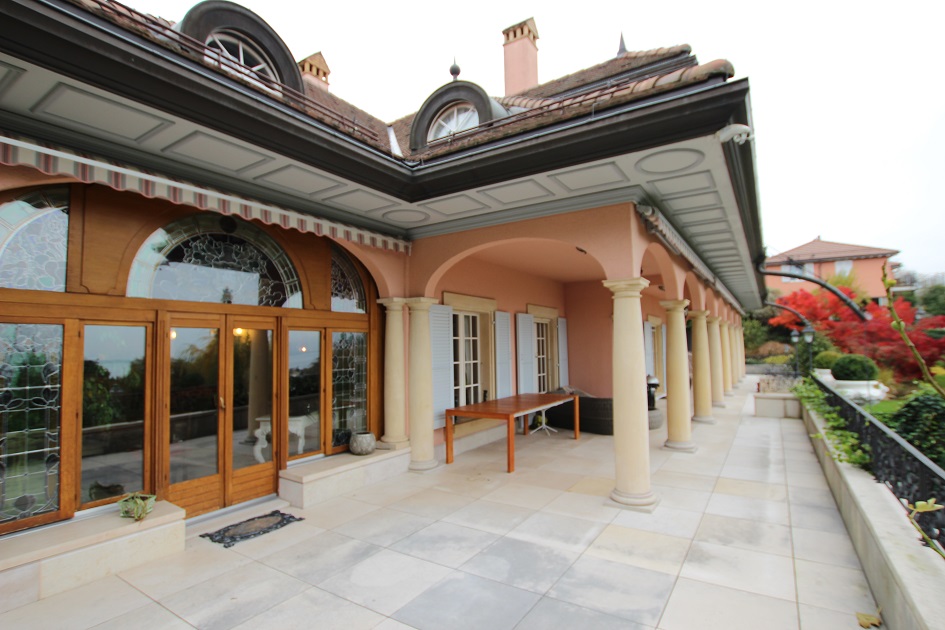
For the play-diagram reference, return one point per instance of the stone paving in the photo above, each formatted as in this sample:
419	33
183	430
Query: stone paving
747	536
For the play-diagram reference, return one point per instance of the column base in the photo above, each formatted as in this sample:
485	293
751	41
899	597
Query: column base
729	393
704	419
393	445
645	502
429	464
720	405
684	447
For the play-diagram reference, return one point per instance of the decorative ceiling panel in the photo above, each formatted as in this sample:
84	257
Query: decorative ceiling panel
299	180
216	153
518	192
362	201
455	205
684	184
80	109
585	178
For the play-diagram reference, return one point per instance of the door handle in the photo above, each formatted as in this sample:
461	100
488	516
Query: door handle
222	404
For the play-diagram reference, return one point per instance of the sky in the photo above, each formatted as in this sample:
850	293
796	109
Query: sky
847	98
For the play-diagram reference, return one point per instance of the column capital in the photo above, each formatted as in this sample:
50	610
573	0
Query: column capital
674	305
421	303
631	287
698	314
712	319
392	303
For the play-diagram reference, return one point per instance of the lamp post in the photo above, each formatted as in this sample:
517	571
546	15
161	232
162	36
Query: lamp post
809	340
794	339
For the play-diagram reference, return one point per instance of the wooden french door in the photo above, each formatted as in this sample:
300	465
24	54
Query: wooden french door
218	411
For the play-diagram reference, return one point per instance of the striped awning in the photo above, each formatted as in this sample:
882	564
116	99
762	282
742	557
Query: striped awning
51	160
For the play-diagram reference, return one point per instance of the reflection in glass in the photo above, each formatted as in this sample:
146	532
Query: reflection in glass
252	397
349	385
194	395
209	258
113	411
30	370
33	234
305	369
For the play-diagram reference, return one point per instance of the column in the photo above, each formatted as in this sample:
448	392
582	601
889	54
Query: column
740	348
732	339
715	365
631	421
701	369
420	385
678	420
726	358
395	390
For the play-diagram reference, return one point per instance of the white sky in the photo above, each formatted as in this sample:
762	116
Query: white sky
847	97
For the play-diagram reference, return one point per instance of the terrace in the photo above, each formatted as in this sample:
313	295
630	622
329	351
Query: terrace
747	535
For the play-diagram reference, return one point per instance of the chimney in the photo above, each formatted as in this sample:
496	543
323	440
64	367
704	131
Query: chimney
521	57
315	71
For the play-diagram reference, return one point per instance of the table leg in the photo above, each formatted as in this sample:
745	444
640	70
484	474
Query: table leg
577	419
511	447
449	438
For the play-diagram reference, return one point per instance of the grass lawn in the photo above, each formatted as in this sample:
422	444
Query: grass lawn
885	407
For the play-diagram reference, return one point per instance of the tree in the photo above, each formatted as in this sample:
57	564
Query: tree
933	299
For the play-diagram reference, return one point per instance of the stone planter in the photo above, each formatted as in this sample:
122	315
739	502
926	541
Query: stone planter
861	391
362	443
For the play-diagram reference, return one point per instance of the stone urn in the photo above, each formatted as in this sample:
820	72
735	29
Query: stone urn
362	443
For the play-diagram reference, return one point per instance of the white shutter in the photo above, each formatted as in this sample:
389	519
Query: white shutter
525	349
503	355
563	380
441	349
648	348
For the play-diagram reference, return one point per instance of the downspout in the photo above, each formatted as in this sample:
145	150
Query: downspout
788	308
853	306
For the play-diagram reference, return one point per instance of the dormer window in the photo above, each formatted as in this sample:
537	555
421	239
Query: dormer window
237	55
453	119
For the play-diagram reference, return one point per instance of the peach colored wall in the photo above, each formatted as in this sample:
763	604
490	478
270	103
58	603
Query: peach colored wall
868	273
590	337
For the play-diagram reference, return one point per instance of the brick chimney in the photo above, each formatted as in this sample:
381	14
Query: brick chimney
521	57
315	71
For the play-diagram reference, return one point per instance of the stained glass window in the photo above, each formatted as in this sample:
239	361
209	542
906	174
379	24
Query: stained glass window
348	385
34	231
347	292
30	369
211	258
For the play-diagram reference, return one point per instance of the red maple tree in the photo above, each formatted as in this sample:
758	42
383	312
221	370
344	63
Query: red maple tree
874	338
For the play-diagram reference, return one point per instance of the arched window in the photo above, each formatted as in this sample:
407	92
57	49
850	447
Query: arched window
347	291
455	118
211	258
34	230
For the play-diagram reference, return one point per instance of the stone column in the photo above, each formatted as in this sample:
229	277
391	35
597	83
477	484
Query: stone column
420	384
715	365
395	385
733	341
740	348
726	358
701	369
631	420
678	420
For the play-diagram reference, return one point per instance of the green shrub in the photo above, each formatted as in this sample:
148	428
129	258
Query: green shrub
854	367
846	444
781	359
825	360
921	421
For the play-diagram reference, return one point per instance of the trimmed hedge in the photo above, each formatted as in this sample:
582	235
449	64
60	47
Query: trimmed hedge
921	422
825	360
854	367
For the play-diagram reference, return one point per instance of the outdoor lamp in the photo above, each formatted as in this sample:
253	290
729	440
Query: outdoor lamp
794	337
808	333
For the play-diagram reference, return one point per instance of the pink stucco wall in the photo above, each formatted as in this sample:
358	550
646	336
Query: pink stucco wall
590	337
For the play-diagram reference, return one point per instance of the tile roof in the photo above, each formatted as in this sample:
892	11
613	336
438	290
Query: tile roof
818	249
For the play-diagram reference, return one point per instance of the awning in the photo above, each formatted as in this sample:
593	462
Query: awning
92	170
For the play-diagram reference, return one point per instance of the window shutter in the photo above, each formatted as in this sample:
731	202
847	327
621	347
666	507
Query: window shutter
503	355
563	380
525	350
648	348
441	349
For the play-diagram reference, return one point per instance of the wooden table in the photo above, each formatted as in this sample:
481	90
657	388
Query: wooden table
508	409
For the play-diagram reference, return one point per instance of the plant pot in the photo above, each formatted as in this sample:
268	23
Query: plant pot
362	443
136	505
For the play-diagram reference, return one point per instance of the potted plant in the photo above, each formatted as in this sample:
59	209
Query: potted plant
136	505
855	376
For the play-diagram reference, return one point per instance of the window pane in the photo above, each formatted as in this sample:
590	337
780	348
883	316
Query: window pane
252	397
349	385
113	407
33	235
194	396
305	370
347	292
30	369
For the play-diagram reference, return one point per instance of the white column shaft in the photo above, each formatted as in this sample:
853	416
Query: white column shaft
420	387
395	385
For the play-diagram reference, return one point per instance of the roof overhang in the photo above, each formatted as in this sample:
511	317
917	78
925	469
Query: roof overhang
71	78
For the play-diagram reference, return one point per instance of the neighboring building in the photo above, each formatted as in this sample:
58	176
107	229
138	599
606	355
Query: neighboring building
825	260
211	272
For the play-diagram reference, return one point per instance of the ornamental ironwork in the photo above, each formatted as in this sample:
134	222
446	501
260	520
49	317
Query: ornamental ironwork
347	290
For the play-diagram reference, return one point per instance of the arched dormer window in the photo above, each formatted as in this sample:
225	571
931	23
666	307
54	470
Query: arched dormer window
347	290
242	44
34	231
211	258
455	107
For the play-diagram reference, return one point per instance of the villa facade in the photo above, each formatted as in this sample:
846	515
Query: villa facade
213	270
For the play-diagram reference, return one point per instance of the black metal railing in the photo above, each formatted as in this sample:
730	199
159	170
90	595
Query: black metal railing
909	474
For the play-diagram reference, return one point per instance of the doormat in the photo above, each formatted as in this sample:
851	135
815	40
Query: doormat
250	528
